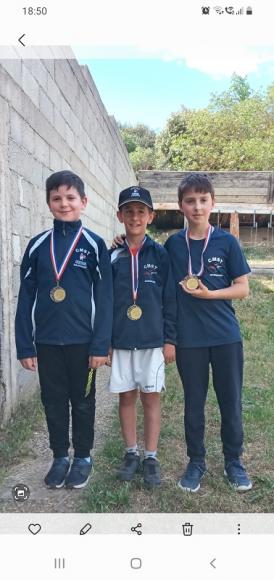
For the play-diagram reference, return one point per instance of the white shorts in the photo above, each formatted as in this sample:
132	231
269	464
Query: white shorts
137	369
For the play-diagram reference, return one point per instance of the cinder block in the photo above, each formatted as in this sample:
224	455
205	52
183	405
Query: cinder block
46	106
21	220
16	281
16	248
55	160
4	121
59	123
28	140
38	71
41	150
13	67
49	65
53	92
63	72
30	85
70	137
65	110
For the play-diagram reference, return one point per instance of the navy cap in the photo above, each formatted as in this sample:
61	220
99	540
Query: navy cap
135	193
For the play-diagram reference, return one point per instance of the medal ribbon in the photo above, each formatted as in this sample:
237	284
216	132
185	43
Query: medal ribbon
134	253
59	274
208	234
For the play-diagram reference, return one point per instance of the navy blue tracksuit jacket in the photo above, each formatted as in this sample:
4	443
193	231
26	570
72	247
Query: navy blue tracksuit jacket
156	297
85	316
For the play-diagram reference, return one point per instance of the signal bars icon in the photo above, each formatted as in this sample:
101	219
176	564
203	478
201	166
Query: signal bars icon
228	10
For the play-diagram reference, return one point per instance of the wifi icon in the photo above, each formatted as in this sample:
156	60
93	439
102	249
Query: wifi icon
218	9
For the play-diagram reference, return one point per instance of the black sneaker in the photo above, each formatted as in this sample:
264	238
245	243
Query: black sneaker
56	476
151	468
79	474
129	467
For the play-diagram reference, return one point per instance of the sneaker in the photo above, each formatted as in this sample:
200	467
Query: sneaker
190	480
151	469
237	476
129	467
79	474
56	476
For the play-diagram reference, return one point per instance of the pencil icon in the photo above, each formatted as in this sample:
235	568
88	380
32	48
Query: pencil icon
85	529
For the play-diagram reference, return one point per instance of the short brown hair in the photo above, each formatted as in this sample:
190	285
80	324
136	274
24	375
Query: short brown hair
65	177
198	182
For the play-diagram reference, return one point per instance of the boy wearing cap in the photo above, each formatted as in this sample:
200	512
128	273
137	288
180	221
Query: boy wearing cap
144	331
63	325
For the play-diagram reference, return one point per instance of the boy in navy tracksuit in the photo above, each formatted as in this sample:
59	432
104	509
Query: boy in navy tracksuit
144	330
210	271
63	325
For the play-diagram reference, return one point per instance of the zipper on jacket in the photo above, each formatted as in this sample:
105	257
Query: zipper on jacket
64	230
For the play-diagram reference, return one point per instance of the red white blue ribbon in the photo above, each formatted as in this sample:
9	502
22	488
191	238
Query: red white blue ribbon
59	273
208	234
134	253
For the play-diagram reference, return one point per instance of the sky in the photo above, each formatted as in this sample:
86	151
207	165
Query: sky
149	90
149	58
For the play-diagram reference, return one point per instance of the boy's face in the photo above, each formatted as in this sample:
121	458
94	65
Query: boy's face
136	216
66	204
197	207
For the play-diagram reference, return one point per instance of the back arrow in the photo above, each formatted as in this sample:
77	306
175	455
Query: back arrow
212	563
20	40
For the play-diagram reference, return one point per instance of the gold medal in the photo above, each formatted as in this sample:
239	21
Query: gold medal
192	282
134	312
57	294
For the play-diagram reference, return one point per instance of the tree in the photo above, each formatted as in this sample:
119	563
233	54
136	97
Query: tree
239	90
235	132
137	136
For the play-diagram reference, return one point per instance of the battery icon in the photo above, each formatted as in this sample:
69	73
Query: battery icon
249	10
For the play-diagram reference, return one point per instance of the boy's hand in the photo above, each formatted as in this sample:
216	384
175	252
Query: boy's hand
30	364
169	353
94	362
109	358
201	292
118	241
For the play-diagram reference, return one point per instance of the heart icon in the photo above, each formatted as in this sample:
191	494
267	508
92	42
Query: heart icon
34	529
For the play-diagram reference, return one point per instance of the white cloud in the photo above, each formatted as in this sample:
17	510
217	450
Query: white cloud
214	44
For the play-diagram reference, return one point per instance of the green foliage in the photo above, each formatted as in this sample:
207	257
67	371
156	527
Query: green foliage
137	136
238	91
140	143
235	132
142	158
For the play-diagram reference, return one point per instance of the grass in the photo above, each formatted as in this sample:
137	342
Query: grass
260	253
15	436
106	494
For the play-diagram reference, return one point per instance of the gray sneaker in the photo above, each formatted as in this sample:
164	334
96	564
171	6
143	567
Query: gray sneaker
79	474
151	469
191	478
237	476
129	467
56	476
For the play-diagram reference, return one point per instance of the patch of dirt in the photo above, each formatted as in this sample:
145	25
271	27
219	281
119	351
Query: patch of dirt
31	471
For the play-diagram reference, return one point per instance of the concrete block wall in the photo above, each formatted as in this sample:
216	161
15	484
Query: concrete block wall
51	118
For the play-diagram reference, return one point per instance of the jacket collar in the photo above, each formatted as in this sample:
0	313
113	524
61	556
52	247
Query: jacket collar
148	242
66	227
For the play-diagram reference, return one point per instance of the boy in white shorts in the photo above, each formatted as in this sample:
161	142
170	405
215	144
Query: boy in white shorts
144	331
